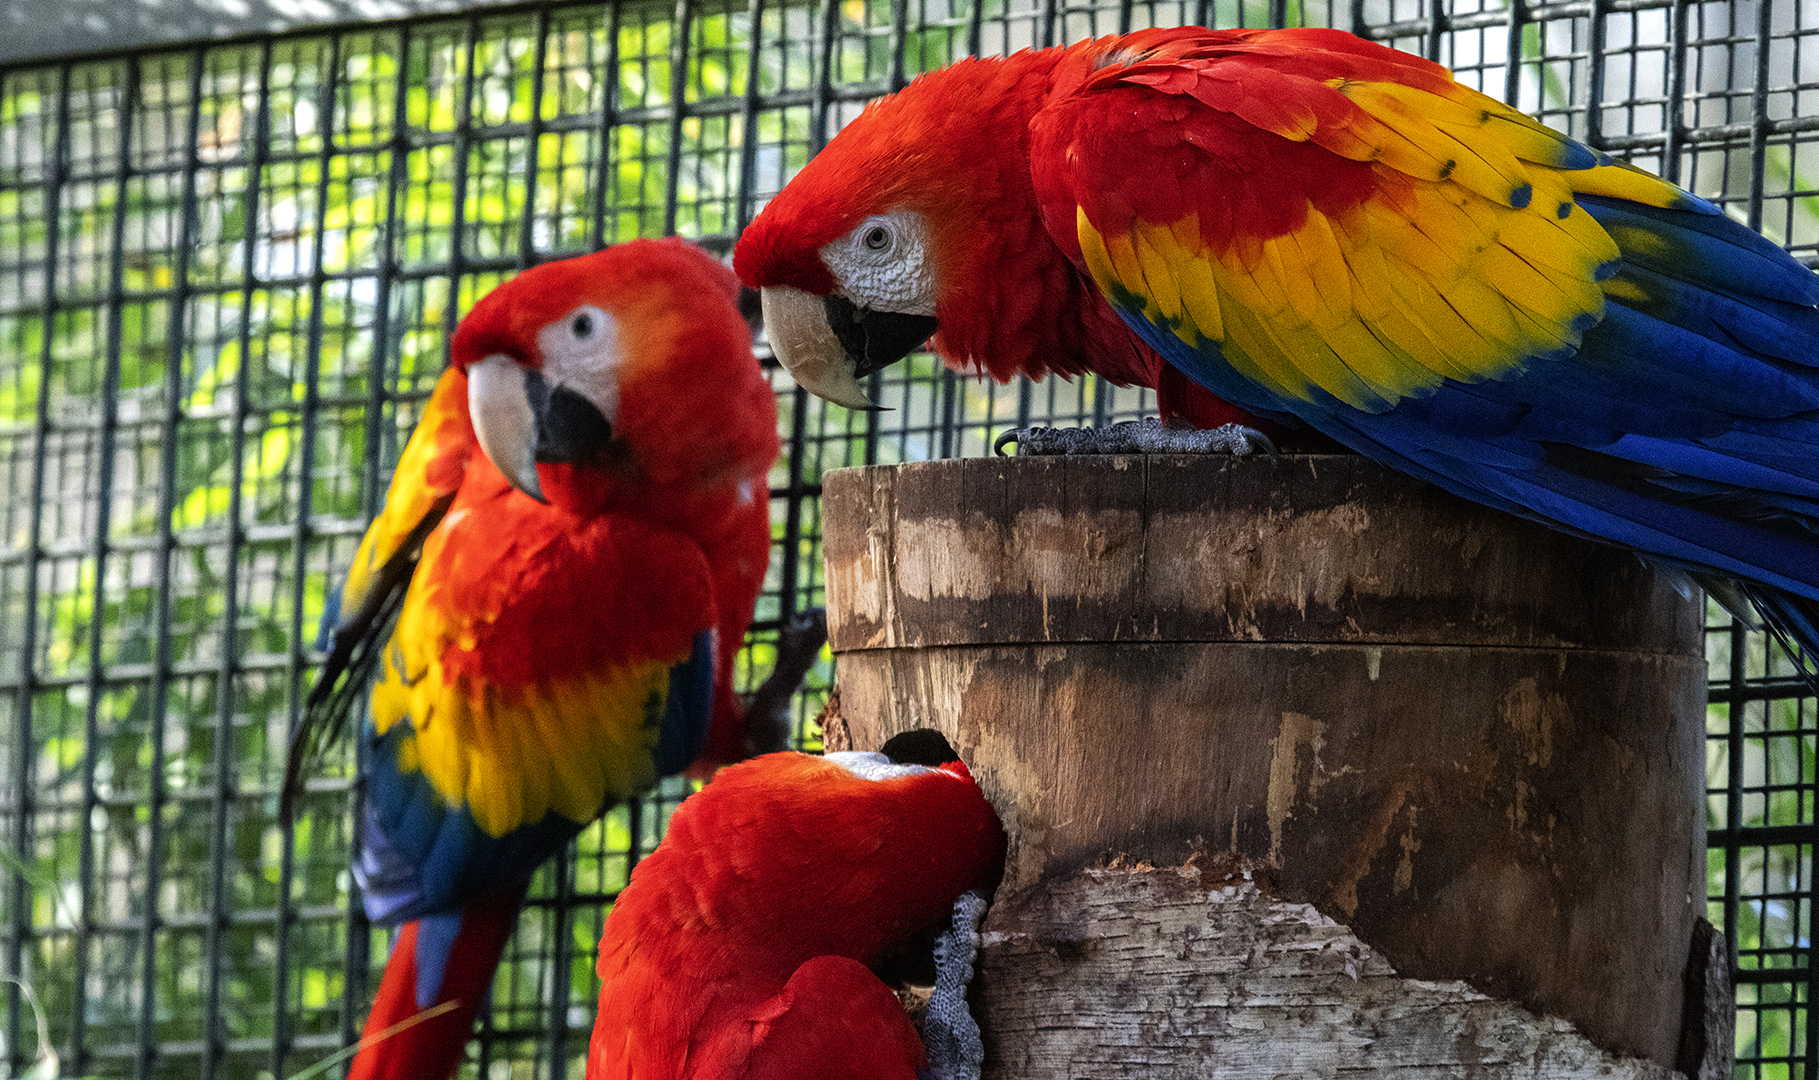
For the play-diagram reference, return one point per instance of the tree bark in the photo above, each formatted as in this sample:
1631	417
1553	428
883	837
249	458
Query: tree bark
1197	973
1468	745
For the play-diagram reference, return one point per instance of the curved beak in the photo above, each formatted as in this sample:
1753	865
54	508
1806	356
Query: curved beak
829	344
505	422
519	420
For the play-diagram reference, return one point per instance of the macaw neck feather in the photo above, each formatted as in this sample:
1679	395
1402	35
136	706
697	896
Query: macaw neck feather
987	221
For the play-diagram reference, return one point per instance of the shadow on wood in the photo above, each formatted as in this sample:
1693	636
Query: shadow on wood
1475	743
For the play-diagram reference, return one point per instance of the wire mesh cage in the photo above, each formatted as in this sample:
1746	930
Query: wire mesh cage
226	275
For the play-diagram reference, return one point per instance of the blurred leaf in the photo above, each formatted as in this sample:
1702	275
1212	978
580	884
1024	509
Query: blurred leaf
327	1063
46	1065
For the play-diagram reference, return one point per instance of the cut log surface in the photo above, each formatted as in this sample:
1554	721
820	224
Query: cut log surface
1474	742
1198	976
1299	549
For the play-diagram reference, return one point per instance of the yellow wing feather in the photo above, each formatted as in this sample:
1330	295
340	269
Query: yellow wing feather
1326	271
1157	271
1620	180
1470	257
566	748
1200	302
430	469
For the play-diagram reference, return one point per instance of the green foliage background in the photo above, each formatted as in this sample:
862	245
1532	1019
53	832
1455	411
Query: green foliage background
226	275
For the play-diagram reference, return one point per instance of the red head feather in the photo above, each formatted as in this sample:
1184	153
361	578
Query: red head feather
680	439
955	148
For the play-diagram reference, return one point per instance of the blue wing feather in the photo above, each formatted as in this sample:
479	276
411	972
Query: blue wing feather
420	856
436	938
1712	246
1728	472
1759	325
1685	425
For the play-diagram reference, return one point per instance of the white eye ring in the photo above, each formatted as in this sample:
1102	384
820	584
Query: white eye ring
584	323
883	263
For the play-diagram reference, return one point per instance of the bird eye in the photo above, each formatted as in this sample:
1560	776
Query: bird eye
583	326
877	238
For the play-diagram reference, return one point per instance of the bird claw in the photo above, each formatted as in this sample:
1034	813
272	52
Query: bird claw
767	711
802	636
949	1033
1148	436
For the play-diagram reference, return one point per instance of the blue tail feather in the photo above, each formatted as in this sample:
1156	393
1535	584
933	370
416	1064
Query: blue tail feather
1794	620
689	710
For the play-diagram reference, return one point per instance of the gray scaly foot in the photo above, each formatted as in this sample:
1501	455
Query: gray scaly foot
1150	436
951	1036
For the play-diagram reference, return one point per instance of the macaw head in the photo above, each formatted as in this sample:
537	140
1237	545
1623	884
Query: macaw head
879	842
903	227
741	945
631	364
904	829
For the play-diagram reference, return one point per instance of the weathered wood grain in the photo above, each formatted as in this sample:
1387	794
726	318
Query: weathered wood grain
1475	742
1302	549
1194	976
1523	819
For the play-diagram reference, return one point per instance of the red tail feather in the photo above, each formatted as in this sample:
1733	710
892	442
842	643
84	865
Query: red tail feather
394	1048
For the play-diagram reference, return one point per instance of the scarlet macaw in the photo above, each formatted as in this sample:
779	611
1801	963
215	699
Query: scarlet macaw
1319	229
568	604
743	948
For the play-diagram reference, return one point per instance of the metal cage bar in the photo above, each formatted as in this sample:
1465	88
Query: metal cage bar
22	786
226	273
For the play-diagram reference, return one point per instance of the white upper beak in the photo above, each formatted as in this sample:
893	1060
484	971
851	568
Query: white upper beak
504	423
796	323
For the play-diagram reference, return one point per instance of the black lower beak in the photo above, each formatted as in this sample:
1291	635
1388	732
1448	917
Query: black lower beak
874	340
570	430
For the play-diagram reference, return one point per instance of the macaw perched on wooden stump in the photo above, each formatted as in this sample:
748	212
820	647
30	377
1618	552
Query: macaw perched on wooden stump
548	606
746	946
1301	228
1312	769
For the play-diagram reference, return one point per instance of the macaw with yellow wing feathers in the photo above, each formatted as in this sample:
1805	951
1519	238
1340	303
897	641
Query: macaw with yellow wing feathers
570	553
1312	229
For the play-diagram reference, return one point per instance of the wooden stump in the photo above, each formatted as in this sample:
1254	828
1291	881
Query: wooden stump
1473	745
